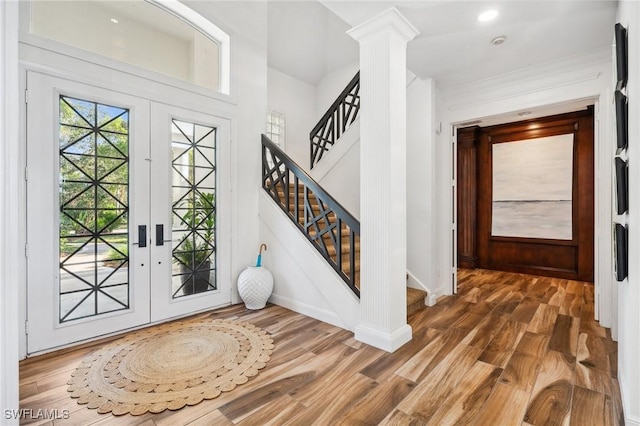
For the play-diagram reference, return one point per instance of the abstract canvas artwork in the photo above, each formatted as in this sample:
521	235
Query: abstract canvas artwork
532	188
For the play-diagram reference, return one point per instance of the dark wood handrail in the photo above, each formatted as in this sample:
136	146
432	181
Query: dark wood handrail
332	124
277	170
308	181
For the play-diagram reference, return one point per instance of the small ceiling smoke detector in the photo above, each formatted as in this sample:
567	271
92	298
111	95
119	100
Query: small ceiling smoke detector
488	15
524	113
499	40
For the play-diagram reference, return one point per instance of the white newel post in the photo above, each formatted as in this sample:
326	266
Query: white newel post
383	198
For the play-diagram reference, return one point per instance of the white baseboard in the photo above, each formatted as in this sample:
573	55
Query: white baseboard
431	299
383	340
628	420
308	310
631	421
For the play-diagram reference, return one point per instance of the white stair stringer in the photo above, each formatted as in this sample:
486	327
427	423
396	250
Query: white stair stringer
303	280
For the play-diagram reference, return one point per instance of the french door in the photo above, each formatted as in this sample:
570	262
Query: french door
189	215
124	218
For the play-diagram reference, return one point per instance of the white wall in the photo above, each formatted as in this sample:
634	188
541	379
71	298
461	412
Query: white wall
204	59
536	88
331	85
339	170
246	22
629	290
297	101
443	201
9	210
303	280
343	182
421	245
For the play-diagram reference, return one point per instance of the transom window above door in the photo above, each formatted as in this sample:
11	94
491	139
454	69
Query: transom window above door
164	37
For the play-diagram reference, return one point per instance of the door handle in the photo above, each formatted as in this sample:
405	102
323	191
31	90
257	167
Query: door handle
160	235
142	236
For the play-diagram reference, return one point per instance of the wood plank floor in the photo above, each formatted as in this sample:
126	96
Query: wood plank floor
509	349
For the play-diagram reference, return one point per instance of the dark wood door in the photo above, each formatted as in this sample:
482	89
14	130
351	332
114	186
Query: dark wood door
567	254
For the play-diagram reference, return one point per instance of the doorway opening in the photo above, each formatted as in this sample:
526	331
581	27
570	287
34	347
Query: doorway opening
525	196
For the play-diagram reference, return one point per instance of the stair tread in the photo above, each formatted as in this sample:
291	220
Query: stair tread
414	294
415	300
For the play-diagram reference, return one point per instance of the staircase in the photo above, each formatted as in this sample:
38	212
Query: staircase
333	231
415	300
324	231
328	226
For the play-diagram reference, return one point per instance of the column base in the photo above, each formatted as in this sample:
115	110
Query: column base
387	341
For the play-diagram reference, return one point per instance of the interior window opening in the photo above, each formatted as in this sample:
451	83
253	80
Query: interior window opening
165	37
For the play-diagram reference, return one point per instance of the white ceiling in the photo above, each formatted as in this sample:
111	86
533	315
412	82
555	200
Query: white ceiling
307	39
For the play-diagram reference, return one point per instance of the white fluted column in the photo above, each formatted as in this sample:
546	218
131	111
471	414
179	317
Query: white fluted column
383	197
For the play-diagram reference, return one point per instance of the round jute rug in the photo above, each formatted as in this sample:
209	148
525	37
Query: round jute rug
170	366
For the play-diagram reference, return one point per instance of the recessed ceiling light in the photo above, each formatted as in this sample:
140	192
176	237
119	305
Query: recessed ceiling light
114	20
499	40
488	15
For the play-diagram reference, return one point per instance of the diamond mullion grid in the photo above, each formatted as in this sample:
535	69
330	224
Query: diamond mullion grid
77	112
89	262
78	139
75	165
75	251
193	204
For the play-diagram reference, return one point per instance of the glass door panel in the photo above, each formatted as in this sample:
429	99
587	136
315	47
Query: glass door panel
193	208
94	197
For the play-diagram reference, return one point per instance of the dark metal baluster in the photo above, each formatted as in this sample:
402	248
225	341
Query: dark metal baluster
296	199
339	244
352	258
264	167
312	151
338	126
305	203
287	190
335	121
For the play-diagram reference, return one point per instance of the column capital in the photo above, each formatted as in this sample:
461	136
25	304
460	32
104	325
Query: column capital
390	19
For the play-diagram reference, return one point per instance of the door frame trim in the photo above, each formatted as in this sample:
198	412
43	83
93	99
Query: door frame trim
604	311
56	64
